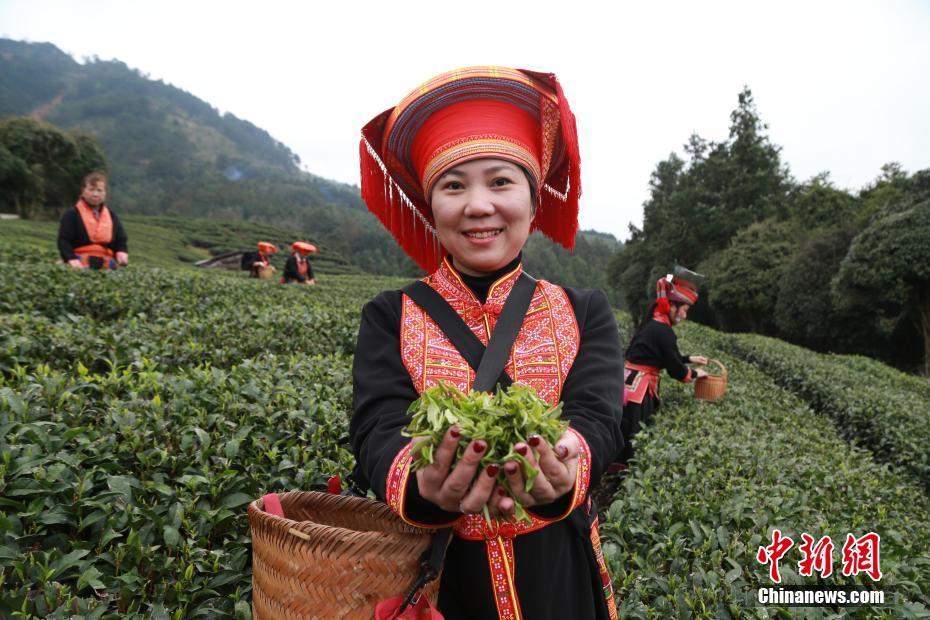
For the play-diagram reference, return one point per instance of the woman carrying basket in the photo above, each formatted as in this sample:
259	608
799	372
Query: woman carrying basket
261	266
653	347
460	172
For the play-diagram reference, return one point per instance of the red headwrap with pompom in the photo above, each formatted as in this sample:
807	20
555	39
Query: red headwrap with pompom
673	289
475	113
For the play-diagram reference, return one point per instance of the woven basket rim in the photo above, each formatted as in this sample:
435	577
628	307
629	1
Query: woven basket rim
723	374
305	569
370	511
711	387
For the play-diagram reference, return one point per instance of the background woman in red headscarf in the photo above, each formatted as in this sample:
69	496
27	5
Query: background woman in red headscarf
261	265
298	269
461	172
654	347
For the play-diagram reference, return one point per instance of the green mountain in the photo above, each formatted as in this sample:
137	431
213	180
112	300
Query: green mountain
170	153
153	133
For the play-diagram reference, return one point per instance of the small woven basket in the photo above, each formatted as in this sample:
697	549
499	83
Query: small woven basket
334	556
712	387
266	272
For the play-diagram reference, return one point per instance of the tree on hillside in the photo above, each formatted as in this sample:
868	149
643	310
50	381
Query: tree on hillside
742	285
757	182
628	273
888	264
41	166
697	205
20	187
695	209
888	190
817	203
805	312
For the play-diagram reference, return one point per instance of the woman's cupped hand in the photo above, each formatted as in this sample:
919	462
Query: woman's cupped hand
459	487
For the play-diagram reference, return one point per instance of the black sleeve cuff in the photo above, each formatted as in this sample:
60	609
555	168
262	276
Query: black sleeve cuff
553	510
418	509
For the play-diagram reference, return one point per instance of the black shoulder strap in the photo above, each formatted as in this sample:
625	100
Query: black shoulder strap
448	321
430	565
489	362
491	370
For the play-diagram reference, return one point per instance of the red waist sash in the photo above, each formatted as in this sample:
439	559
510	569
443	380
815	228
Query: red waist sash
94	249
645	382
85	252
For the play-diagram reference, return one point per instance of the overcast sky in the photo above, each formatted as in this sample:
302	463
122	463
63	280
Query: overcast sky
844	86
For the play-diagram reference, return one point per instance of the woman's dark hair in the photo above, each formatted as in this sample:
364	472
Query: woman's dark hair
97	176
534	189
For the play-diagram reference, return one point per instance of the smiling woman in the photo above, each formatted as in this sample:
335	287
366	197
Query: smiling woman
460	172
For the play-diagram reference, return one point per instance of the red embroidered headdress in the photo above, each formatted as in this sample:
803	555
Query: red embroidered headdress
303	248
480	112
267	248
681	288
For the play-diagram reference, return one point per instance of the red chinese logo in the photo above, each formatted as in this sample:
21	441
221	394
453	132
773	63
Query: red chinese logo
774	553
817	557
861	555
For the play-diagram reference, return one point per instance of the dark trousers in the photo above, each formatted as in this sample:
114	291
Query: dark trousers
634	416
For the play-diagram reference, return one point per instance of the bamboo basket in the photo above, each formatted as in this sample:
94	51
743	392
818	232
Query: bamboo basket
266	272
712	387
333	556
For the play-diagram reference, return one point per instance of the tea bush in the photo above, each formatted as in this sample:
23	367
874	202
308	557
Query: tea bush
876	407
61	317
141	410
164	241
711	481
124	493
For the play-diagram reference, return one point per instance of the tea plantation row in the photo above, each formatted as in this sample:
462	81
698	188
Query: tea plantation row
124	493
62	317
165	241
141	410
878	408
711	482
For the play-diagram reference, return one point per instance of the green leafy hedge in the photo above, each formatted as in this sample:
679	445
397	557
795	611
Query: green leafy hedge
876	407
173	319
712	480
124	493
140	411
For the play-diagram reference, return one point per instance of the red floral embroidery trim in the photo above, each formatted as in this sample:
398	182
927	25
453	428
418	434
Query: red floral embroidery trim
606	581
541	357
396	487
503	569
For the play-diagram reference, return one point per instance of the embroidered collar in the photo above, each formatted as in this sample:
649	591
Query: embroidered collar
447	280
